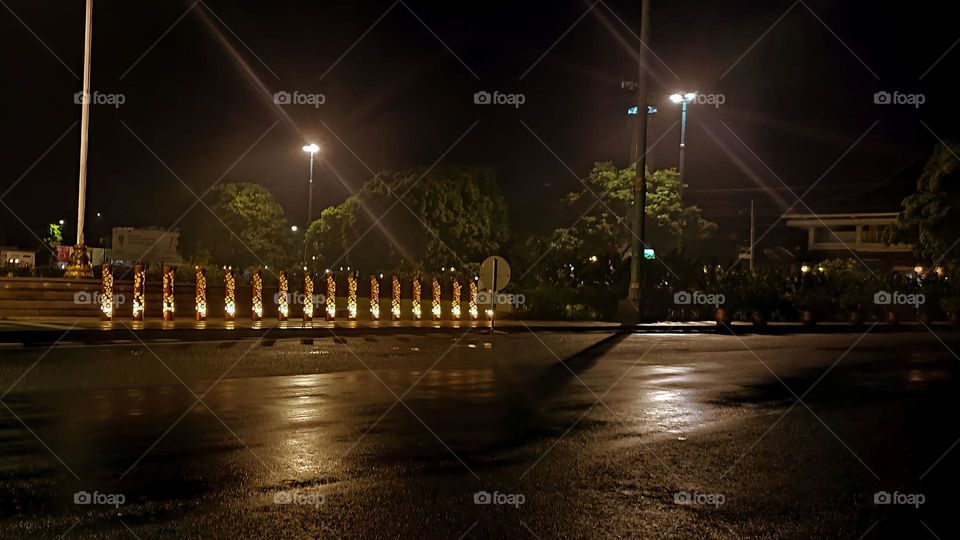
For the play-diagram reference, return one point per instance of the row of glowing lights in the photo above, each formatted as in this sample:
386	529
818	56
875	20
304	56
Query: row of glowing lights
918	270
283	307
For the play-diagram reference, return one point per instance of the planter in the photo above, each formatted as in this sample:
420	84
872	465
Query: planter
893	318
723	317
953	317
808	318
759	318
855	317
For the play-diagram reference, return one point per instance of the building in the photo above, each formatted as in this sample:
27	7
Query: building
862	234
18	257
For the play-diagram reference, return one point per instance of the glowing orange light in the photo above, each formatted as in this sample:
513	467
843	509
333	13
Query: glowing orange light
283	296
168	302
415	301
138	293
395	299
374	298
474	313
256	296
307	297
455	300
229	294
106	294
331	297
435	307
200	296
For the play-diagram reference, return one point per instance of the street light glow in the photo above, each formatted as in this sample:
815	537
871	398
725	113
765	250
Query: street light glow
680	97
311	148
294	228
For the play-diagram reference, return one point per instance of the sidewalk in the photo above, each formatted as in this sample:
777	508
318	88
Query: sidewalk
38	331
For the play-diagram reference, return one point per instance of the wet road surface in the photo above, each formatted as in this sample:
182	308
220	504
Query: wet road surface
632	436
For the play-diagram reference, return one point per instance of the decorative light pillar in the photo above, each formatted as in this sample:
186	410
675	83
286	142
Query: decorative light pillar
256	295
473	300
138	290
415	301
229	294
331	297
200	295
168	302
307	296
374	298
455	300
395	299
352	296
436	307
106	294
283	296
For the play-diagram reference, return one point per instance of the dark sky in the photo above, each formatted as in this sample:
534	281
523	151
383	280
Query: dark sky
798	79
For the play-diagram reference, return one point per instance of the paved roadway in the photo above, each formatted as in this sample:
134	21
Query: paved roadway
633	436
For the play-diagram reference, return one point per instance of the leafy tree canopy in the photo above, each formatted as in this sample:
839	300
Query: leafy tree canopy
447	217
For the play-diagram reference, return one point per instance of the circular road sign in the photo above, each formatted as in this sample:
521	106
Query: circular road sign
494	273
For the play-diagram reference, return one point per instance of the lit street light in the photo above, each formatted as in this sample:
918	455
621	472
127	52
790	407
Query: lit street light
682	98
293	228
311	149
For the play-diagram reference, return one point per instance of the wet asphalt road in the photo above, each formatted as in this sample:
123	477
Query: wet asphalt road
641	436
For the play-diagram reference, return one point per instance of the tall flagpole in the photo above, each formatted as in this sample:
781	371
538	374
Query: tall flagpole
80	265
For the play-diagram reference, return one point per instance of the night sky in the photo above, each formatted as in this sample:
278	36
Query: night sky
798	79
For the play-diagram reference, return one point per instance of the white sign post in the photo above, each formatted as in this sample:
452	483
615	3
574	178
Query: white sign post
494	276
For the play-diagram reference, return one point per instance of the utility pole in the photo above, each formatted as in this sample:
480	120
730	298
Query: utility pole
753	234
638	225
80	264
683	146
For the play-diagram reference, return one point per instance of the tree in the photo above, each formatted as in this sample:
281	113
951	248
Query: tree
253	231
447	216
597	246
930	218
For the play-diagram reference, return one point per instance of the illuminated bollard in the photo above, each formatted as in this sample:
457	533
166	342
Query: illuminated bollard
229	294
435	308
106	294
352	296
395	299
283	296
256	296
200	295
415	301
374	298
168	302
331	297
138	290
474	313
455	300
307	296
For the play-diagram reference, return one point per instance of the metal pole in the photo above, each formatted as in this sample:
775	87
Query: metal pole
753	233
493	295
638	227
683	145
309	208
85	122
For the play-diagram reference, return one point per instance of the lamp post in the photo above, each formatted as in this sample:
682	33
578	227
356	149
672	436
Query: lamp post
311	149
80	264
682	98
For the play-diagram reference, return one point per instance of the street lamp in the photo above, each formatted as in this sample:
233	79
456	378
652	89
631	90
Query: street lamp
311	149
293	228
682	98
